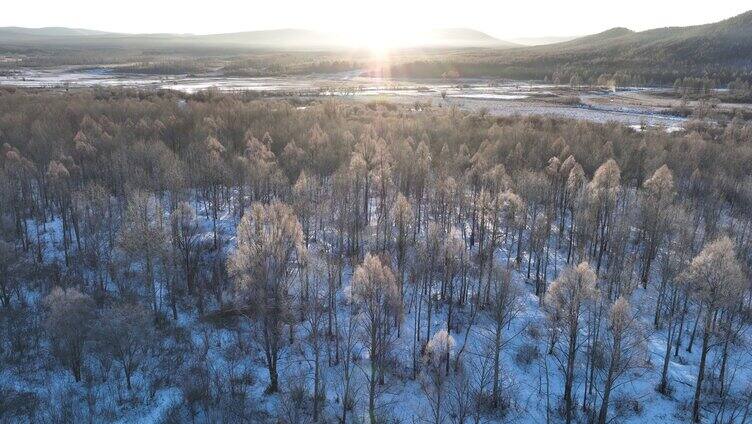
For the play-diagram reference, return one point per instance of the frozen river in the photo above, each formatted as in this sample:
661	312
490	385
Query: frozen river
496	97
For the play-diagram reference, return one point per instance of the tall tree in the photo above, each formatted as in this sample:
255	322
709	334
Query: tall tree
718	283
143	238
270	242
625	348
436	358
186	242
504	306
375	291
603	193
656	197
566	303
125	334
403	220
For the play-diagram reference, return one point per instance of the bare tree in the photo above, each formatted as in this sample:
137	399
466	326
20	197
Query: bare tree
315	270
186	242
69	322
625	346
9	262
97	226
125	333
504	306
461	398
348	334
211	174
59	178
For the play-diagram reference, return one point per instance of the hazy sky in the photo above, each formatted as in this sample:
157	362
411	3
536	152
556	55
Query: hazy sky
503	19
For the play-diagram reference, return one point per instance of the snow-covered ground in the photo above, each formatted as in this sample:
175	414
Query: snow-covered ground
229	354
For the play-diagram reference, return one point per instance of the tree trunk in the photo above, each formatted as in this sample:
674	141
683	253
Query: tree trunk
701	372
569	378
603	414
372	393
497	354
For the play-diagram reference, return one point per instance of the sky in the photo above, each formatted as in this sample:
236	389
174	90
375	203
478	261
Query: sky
500	18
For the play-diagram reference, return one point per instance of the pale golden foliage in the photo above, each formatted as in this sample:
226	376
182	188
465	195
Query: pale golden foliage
716	274
660	187
374	286
566	295
269	240
606	182
437	349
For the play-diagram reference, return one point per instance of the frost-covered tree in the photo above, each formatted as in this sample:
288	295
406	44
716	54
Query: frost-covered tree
374	290
305	194
504	306
210	173
566	305
433	381
603	191
656	197
403	220
624	345
718	283
270	241
455	257
263	170
573	200
143	238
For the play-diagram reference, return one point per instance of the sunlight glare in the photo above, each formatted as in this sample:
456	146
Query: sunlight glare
379	41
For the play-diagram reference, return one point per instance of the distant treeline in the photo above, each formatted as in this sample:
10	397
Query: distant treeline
736	91
166	67
586	73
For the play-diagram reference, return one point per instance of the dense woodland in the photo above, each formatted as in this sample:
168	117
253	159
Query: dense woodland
587	67
170	258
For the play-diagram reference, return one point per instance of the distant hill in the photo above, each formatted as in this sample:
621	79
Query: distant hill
283	38
462	37
721	50
540	41
47	32
267	39
597	39
726	41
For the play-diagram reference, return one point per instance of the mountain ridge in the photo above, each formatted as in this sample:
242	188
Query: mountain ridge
282	38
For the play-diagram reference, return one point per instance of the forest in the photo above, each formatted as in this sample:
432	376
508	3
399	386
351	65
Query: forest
210	258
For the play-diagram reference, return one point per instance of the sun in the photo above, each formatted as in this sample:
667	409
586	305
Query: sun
375	40
380	41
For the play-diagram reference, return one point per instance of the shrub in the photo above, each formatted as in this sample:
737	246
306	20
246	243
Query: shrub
527	354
